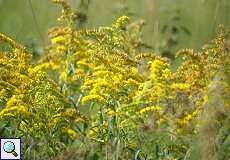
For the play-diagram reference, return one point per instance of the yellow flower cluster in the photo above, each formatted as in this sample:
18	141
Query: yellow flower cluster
30	99
159	69
94	98
72	133
156	109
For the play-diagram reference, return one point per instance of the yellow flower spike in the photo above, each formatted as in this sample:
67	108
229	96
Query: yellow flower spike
84	63
93	91
156	109
121	22
206	98
23	126
101	73
95	98
63	76
92	133
188	118
110	112
159	69
58	39
166	73
14	101
133	82
24	111
134	70
99	83
16	110
61	48
72	133
180	86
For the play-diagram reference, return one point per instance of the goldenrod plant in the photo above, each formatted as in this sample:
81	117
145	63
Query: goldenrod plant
98	94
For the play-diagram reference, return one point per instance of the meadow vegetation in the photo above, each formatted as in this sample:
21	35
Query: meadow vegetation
103	94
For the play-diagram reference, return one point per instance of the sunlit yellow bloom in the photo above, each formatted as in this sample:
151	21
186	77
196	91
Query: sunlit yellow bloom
110	112
58	39
180	86
156	109
72	133
63	76
90	98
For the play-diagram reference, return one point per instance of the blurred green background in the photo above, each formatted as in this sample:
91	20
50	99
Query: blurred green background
169	24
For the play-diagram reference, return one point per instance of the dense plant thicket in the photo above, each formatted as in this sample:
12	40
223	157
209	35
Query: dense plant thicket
97	94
